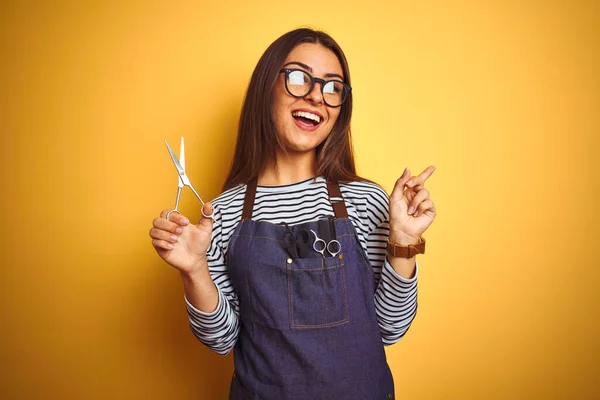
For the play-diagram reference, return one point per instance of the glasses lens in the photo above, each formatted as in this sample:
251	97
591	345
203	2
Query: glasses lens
298	83
334	93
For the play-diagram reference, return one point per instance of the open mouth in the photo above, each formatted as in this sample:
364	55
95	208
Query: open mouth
307	119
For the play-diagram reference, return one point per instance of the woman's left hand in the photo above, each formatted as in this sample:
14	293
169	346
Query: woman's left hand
411	211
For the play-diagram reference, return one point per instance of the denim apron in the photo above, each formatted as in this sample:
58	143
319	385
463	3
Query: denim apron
308	325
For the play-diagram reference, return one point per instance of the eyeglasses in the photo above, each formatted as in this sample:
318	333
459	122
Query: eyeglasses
300	83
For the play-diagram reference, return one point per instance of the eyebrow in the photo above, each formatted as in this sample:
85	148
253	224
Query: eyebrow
309	69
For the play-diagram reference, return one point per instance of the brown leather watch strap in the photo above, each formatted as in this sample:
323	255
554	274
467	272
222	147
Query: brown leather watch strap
396	250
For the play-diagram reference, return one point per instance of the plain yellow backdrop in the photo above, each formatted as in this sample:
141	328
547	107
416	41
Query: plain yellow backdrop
503	97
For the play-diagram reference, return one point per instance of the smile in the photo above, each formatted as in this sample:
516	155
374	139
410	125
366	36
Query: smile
307	120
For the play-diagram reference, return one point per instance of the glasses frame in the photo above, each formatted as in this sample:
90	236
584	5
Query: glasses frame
323	82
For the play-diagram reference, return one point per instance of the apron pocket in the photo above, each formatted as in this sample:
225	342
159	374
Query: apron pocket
317	295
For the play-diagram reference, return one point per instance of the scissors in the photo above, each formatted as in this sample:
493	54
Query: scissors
184	180
296	246
333	246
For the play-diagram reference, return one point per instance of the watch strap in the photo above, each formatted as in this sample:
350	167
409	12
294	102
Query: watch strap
396	250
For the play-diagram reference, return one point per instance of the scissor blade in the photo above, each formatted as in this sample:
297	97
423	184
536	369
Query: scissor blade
180	169
182	154
183	179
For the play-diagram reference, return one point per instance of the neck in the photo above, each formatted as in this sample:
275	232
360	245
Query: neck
289	168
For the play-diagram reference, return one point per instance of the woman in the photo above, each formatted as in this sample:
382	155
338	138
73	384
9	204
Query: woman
307	319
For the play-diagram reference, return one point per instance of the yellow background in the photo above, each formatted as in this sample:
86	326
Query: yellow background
502	97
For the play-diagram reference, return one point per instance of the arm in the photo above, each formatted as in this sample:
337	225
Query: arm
195	251
211	303
410	213
396	293
212	312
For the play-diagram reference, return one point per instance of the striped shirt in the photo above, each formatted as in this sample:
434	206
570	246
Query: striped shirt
368	209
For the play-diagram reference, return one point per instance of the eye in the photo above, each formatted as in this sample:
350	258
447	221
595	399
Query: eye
329	87
296	78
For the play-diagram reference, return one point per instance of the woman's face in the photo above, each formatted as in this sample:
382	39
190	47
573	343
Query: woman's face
298	133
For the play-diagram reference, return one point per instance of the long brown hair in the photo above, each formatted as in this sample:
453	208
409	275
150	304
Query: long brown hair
257	139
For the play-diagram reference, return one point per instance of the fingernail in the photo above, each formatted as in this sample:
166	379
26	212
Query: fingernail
184	221
416	214
409	183
179	231
173	238
169	245
411	209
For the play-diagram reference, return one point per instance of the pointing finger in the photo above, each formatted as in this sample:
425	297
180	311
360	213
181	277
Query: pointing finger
420	180
427	172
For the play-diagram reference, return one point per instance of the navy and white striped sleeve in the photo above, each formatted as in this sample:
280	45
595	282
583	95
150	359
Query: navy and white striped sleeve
395	303
219	329
395	296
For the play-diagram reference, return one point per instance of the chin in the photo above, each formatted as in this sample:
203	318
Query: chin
297	149
301	142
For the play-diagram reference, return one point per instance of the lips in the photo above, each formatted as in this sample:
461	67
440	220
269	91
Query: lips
308	120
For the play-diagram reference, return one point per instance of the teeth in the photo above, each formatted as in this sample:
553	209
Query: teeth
308	115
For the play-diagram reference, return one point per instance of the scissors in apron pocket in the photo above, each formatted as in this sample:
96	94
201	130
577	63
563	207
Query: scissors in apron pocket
332	246
296	246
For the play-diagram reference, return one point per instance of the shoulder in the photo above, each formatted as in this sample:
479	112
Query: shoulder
365	191
228	207
230	196
366	201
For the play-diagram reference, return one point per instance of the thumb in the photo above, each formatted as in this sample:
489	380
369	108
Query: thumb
207	209
398	190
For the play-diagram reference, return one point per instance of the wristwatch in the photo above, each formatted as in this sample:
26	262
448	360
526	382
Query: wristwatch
396	250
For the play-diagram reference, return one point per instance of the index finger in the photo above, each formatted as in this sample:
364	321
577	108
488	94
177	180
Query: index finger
176	217
426	173
421	178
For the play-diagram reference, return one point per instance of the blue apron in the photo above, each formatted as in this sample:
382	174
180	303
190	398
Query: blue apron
308	325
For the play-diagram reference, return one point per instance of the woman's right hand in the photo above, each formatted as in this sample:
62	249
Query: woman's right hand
181	244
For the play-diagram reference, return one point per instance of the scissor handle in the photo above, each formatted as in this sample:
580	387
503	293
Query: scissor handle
339	248
321	242
211	215
303	236
172	211
289	241
288	238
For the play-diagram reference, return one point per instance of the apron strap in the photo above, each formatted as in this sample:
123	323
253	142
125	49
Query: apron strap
333	188
339	206
249	199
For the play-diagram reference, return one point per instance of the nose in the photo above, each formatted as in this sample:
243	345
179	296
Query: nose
315	95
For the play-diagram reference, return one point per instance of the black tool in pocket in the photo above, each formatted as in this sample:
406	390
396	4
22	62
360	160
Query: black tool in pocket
297	245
